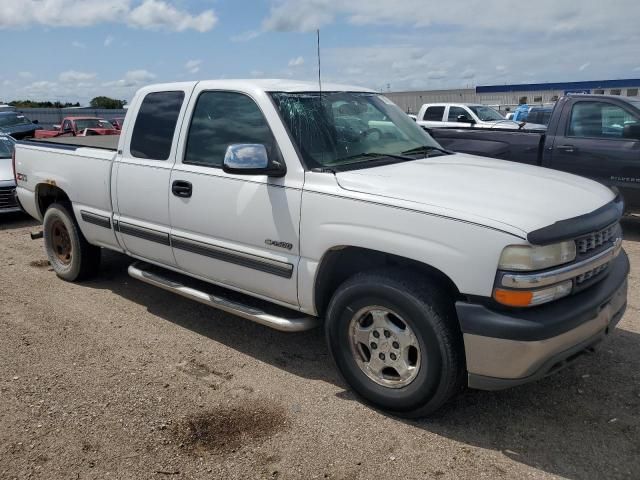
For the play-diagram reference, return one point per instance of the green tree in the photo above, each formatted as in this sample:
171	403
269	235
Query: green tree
106	102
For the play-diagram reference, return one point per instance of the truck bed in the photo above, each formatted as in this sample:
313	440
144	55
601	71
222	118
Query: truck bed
524	146
106	142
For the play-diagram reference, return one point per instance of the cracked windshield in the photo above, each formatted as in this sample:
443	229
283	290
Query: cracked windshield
342	129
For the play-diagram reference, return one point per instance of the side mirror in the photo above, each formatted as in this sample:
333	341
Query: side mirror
35	122
465	119
251	159
631	131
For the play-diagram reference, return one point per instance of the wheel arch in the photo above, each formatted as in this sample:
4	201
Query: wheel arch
47	194
341	262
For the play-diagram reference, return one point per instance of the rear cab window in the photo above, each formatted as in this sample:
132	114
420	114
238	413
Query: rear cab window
433	114
155	125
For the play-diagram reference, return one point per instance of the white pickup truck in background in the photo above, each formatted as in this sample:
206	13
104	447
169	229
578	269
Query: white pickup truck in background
467	115
291	207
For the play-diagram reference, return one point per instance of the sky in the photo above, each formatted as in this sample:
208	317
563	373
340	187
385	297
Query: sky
74	50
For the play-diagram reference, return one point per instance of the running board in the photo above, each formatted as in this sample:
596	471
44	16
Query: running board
280	318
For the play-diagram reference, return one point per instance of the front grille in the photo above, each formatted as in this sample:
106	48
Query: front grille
580	279
596	239
7	197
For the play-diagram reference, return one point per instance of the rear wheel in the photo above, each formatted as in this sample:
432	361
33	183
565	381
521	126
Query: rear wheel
70	255
394	337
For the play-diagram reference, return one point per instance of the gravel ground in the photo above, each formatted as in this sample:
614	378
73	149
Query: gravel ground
113	378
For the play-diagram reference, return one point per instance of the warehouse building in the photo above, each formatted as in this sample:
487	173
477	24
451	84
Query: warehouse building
505	97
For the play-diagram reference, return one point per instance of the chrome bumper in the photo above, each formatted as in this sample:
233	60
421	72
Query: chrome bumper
504	350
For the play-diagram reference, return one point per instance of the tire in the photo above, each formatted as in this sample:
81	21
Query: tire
69	253
429	373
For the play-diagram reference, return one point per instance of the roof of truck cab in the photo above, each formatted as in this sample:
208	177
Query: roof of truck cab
269	85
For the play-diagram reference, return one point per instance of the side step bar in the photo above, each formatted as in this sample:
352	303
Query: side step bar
285	320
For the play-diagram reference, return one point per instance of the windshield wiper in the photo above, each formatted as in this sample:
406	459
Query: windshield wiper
373	155
426	149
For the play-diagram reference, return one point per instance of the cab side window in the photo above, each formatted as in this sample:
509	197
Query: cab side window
221	119
66	126
455	112
433	114
155	125
599	120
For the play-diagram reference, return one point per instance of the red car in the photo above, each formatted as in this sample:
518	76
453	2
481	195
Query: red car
117	122
79	126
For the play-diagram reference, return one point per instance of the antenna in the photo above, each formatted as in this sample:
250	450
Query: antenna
319	67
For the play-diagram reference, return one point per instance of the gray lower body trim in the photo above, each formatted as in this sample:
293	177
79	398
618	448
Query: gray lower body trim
496	363
281	269
95	219
144	233
273	267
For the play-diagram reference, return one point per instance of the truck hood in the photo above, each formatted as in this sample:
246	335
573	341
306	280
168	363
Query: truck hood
472	188
6	169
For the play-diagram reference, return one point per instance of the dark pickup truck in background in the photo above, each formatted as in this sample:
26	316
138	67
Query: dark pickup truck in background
596	136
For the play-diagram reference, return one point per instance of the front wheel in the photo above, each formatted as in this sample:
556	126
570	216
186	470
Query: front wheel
70	255
394	338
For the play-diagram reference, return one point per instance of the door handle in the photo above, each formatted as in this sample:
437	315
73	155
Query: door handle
567	148
181	188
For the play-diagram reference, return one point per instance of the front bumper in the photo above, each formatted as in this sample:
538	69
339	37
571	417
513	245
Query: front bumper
8	200
505	349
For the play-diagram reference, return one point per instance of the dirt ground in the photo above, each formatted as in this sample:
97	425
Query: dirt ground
113	378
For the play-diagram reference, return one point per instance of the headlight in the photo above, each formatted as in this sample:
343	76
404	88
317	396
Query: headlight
529	257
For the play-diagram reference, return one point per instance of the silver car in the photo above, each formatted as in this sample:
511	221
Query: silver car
8	202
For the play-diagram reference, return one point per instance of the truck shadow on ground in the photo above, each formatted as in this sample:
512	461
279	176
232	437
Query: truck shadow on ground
14	221
583	422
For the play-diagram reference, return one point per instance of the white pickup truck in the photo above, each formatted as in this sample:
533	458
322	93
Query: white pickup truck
467	115
429	270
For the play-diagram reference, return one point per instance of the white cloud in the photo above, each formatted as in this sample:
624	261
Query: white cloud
246	36
468	74
157	14
193	66
77	44
146	14
133	78
296	62
108	41
584	66
72	76
25	75
541	15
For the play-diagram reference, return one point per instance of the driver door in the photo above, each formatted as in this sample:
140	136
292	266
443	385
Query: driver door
593	145
237	230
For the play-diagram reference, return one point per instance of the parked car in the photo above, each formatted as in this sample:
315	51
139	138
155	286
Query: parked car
429	269
79	126
8	202
17	125
466	115
540	114
596	136
117	122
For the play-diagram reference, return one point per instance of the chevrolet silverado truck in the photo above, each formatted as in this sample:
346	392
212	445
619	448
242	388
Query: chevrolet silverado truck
79	126
596	136
279	203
